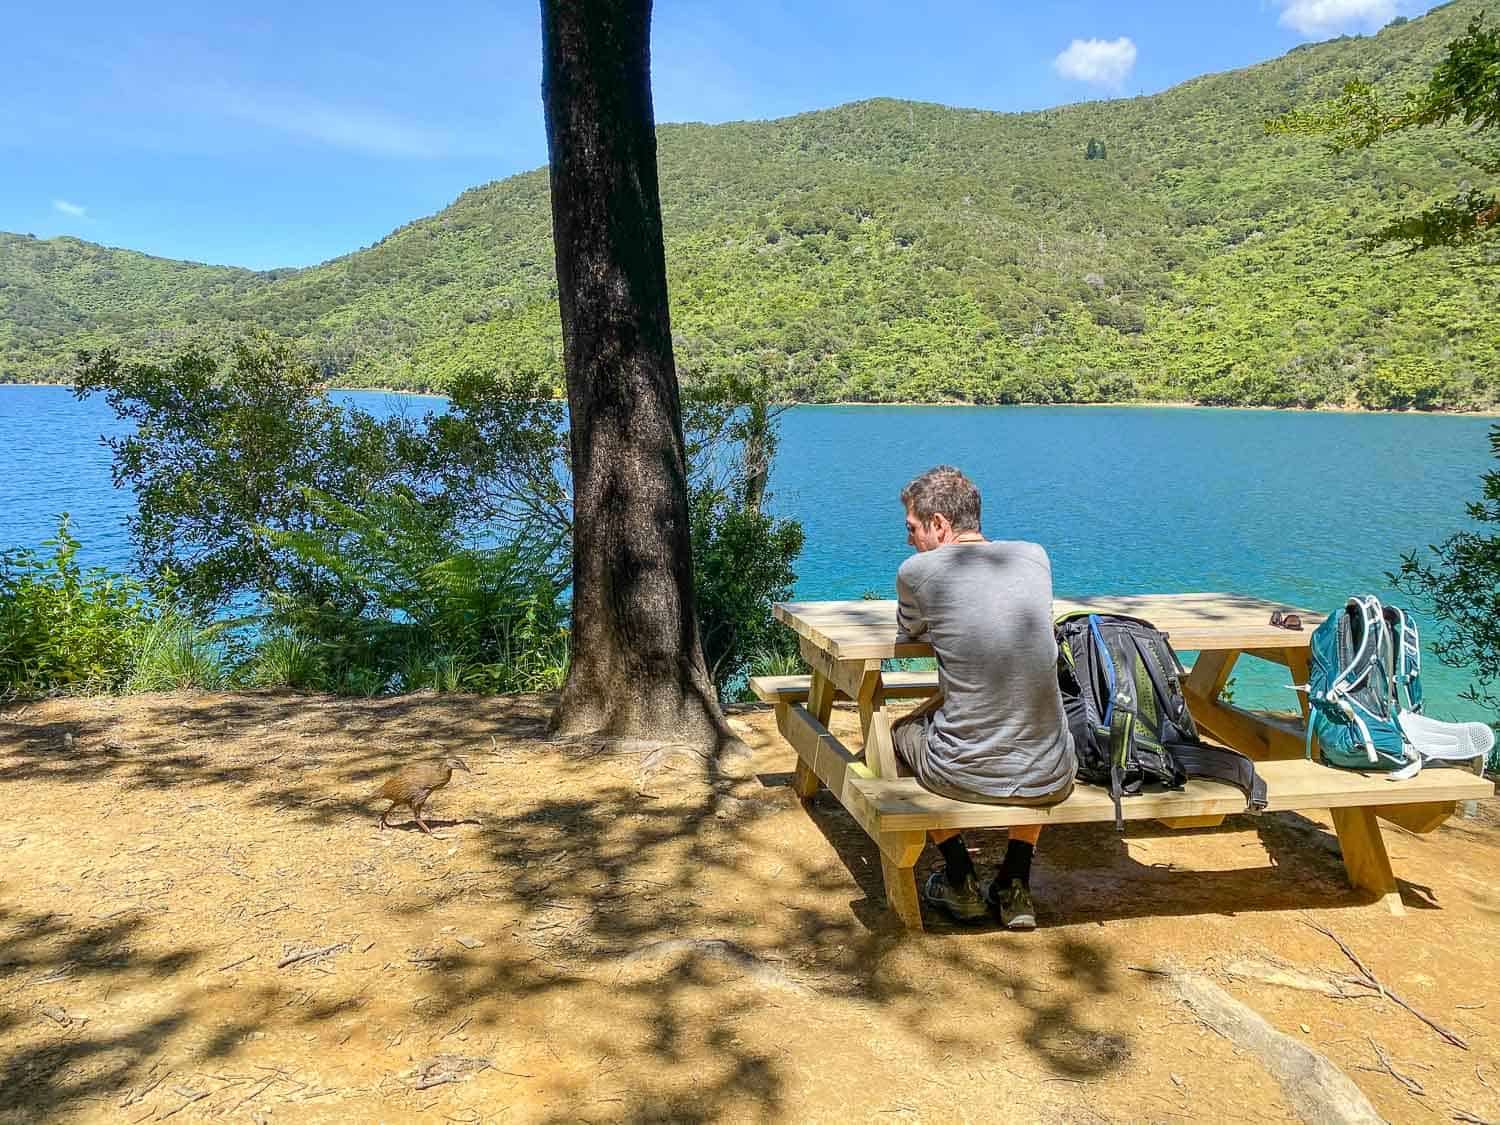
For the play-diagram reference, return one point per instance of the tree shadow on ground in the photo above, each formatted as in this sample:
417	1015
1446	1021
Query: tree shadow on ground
644	921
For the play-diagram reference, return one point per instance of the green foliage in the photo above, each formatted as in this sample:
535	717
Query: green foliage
174	653
891	251
216	455
64	628
1095	150
1460	582
742	563
284	660
223	458
743	557
419	553
1464	87
407	606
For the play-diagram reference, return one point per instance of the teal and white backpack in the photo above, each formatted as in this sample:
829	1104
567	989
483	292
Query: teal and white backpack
1365	691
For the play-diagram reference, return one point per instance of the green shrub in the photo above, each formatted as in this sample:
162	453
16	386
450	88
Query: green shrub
64	628
1459	581
408	607
742	563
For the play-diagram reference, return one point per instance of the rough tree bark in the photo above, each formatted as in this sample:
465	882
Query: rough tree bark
637	668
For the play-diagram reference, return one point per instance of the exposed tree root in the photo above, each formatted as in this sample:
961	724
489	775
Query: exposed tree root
1319	1092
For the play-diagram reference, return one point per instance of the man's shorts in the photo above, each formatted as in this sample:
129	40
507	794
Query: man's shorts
909	735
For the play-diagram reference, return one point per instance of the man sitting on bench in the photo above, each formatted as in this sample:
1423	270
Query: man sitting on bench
995	733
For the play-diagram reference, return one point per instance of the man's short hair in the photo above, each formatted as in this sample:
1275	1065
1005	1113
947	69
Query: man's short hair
946	490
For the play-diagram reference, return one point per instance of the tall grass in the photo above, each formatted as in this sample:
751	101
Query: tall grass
285	660
173	653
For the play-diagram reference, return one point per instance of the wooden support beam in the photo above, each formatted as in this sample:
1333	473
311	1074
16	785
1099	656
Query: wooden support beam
1298	662
1255	734
875	725
830	761
1365	857
1420	819
1206	821
847	675
901	892
1208	676
804	780
796	689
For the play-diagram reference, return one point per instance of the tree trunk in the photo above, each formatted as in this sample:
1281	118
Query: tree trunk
637	667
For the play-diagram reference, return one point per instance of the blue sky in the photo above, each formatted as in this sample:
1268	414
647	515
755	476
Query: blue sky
285	133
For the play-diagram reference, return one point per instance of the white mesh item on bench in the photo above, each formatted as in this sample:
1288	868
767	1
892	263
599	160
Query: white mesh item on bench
1437	741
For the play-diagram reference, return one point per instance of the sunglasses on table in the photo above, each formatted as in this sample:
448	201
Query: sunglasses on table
1286	620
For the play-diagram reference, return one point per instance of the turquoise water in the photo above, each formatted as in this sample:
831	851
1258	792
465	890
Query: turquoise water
1302	508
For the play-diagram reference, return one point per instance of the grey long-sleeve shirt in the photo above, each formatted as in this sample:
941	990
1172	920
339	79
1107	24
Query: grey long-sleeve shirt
986	609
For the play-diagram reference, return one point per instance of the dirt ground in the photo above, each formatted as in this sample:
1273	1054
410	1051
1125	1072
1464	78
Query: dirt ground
603	935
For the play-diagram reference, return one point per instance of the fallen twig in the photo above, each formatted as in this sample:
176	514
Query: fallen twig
1405	1079
293	958
443	1069
255	1092
191	1096
1370	980
1465	1115
131	1099
232	964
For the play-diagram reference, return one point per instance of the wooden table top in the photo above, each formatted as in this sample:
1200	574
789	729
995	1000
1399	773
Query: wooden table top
866	630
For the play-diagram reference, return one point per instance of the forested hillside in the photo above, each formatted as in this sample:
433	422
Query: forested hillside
890	250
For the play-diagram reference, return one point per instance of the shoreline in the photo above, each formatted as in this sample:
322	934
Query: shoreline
1134	404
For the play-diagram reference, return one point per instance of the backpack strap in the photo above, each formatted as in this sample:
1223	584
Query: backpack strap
1199	760
1362	662
1119	716
1121	731
1150	648
1406	665
1108	662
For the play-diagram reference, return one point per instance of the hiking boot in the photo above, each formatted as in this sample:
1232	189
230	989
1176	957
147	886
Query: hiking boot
962	903
1014	905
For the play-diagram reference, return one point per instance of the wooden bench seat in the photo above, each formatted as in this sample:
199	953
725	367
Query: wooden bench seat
795	689
897	812
900	804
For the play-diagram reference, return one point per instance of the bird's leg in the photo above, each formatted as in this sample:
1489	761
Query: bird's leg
422	824
385	814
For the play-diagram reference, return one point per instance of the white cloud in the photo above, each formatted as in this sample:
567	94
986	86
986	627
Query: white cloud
1330	17
1105	62
74	209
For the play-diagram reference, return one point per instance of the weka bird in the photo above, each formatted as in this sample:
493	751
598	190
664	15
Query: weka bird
415	783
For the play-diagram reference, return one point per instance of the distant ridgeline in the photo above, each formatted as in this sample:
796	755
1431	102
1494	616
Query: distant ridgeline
1147	248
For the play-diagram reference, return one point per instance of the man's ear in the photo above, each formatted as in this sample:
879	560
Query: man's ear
942	526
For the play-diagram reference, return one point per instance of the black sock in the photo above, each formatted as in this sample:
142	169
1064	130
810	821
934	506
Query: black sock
956	855
1017	864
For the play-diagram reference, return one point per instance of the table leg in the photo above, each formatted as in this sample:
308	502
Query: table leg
1365	857
1257	735
875	724
1209	674
898	858
820	706
1299	663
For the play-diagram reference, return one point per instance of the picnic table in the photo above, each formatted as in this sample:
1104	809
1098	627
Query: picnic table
845	643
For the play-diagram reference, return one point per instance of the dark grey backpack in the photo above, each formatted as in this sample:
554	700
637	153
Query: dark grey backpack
1121	686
